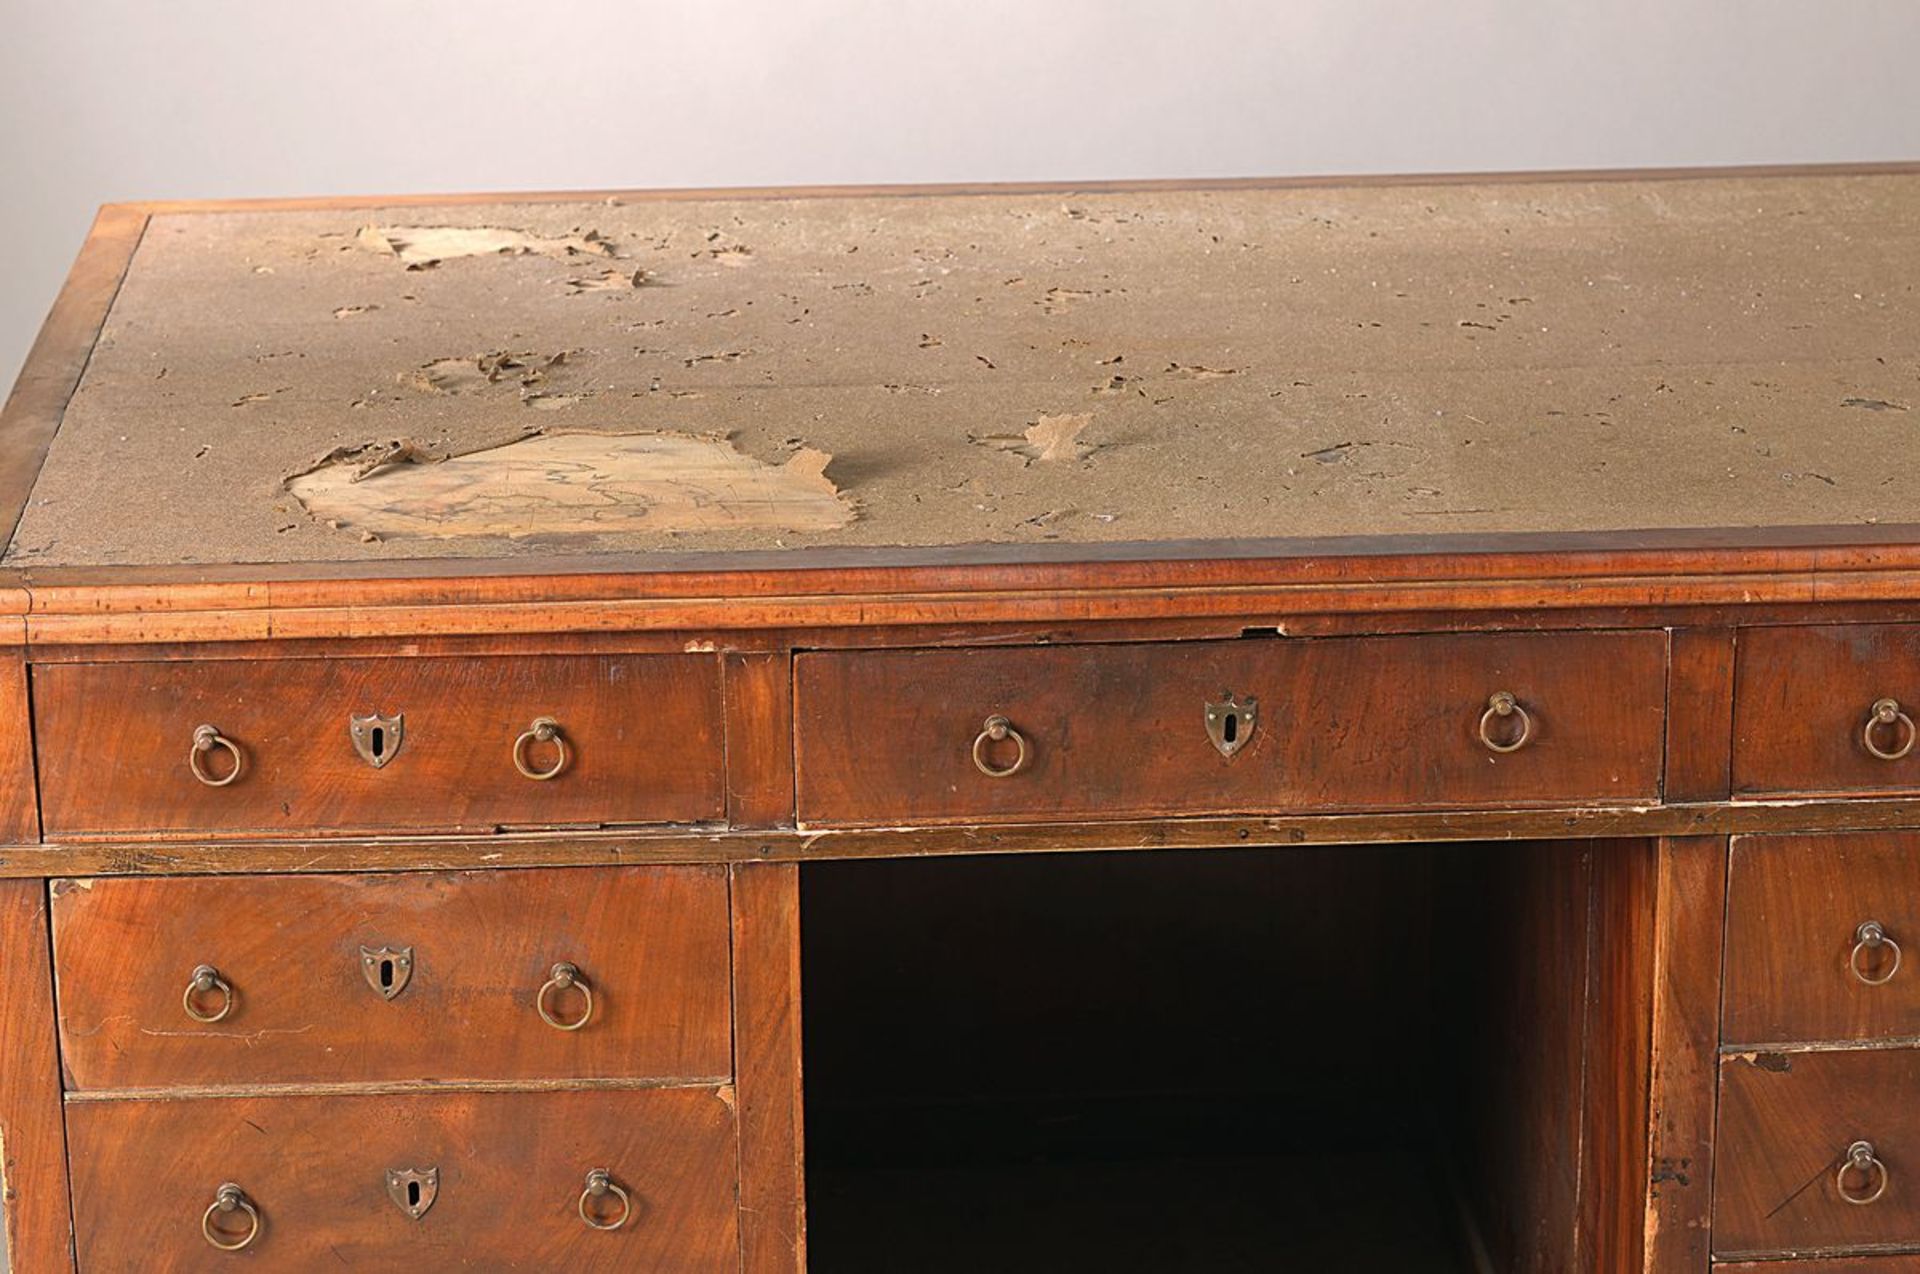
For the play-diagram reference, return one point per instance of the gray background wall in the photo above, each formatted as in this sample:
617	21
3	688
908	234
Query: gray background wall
119	99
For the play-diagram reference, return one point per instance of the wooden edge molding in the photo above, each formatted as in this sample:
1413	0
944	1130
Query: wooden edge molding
200	854
60	354
1096	186
540	604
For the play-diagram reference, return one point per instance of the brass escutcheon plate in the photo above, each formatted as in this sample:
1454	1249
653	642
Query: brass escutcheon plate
1230	722
377	738
387	969
413	1189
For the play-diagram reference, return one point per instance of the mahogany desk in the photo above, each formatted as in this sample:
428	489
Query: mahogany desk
476	669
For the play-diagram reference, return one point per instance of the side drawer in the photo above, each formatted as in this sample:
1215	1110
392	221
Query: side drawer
1823	938
1126	730
1787	1122
392	978
328	1178
117	743
1804	702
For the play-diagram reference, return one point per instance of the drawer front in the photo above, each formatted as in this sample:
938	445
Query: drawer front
1823	938
392	978
887	736
1828	1265
1787	1121
116	743
506	1175
1803	713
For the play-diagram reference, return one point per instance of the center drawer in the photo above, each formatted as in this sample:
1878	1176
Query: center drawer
233	981
333	745
484	1181
1229	727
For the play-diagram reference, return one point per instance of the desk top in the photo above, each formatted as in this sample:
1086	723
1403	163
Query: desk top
520	378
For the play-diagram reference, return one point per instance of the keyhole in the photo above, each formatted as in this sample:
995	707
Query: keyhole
386	973
379	741
1231	732
413	1194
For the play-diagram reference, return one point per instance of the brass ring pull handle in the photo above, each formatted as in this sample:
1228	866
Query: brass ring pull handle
204	981
1863	1167
543	730
564	977
206	740
1872	936
996	729
1887	713
1500	706
227	1200
600	1184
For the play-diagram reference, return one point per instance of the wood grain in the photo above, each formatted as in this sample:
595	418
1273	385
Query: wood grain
650	942
1795	905
644	735
767	1057
1699	714
33	1146
1614	1123
185	853
1786	1120
1802	699
1829	1265
1683	1070
511	1168
1522	1045
1229	581
759	690
885	736
19	794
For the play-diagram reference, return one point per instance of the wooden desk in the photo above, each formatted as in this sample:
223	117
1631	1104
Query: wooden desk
475	669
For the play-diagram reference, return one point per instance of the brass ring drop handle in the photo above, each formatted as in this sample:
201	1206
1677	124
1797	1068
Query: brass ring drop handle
205	980
1872	936
228	1199
1500	706
1862	1178
996	729
600	1184
206	740
543	730
564	977
1888	713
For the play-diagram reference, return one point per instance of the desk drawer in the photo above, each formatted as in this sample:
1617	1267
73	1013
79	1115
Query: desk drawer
1787	1121
1130	730
116	743
1804	709
500	1176
1823	938
392	978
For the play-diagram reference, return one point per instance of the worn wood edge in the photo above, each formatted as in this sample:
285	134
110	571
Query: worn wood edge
765	902
1779	1258
59	357
1683	1083
1883	168
1398	556
202	855
105	622
36	1227
720	1083
1887	1043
